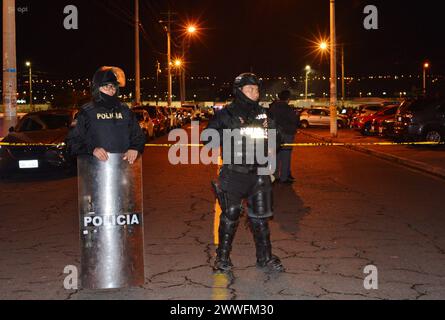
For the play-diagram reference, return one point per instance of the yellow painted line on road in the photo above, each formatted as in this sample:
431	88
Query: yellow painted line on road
217	211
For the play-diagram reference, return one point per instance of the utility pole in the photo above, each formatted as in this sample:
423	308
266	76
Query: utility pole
9	66
182	81
308	70
343	88
183	70
426	65
28	64
167	29
158	71
333	81
169	59
137	54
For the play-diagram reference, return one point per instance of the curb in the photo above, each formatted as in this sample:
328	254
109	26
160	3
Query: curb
412	164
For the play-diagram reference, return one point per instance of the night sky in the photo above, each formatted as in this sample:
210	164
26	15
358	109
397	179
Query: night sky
269	37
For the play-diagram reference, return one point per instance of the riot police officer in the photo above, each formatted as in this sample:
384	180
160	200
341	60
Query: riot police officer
240	180
106	125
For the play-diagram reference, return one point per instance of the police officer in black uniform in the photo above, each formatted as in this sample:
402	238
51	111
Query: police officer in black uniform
239	181
106	125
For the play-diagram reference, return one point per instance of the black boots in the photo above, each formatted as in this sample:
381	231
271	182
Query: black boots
260	228
265	259
227	230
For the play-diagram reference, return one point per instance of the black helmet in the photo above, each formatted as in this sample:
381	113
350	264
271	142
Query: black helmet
107	75
245	79
104	76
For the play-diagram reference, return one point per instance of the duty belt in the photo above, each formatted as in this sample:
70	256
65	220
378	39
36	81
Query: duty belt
241	169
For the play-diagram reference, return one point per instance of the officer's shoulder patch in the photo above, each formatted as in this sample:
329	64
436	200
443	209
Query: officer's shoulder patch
87	106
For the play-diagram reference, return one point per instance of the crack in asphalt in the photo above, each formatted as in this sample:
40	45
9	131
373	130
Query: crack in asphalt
438	248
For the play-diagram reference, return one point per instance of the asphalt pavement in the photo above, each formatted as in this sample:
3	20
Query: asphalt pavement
347	211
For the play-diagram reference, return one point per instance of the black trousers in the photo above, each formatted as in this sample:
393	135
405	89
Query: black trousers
257	190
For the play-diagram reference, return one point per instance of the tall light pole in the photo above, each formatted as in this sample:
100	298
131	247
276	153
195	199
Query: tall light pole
191	30
167	29
308	71
158	72
9	66
169	65
343	88
333	81
323	46
137	55
426	66
28	64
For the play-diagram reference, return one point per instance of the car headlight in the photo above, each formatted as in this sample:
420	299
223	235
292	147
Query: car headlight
61	146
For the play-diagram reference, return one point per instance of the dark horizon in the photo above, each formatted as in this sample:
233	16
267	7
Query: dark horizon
269	38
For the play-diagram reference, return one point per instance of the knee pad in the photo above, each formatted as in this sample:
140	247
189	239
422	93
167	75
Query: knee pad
260	205
232	213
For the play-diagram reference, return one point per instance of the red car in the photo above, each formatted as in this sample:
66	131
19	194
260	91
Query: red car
381	118
364	123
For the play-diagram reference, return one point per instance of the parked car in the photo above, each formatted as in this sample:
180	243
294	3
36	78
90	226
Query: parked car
173	118
158	119
386	128
362	113
421	120
365	123
387	115
166	116
193	110
368	109
145	122
319	117
45	127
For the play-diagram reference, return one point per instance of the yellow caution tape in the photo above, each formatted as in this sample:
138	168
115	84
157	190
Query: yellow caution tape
316	144
342	144
10	144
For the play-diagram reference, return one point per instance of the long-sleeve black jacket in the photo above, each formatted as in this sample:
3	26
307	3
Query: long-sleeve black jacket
235	117
114	129
285	117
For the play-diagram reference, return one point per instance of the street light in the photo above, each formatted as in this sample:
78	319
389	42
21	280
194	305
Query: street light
28	64
426	66
190	30
178	63
308	70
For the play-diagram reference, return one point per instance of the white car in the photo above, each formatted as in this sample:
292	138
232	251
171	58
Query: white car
318	117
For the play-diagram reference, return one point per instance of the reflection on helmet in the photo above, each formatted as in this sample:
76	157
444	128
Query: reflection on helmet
245	79
105	75
242	80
